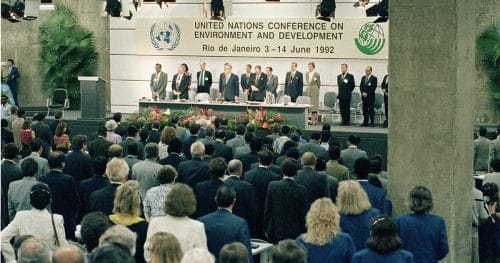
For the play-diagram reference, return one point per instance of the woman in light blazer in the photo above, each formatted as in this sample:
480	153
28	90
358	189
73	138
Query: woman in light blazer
38	222
313	82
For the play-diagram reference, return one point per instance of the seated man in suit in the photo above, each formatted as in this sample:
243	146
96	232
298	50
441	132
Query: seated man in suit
315	183
204	78
102	200
258	89
205	191
181	83
222	227
228	84
286	205
352	153
195	170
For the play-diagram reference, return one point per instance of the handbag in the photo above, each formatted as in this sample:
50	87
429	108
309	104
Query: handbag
58	244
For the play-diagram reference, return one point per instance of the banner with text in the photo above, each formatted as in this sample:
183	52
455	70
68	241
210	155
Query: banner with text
278	37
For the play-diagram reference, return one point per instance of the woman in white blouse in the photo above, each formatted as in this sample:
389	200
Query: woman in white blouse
179	205
37	222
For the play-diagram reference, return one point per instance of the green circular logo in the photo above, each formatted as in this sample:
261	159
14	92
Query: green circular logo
371	39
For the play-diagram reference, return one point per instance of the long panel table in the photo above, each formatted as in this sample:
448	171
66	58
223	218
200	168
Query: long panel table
296	114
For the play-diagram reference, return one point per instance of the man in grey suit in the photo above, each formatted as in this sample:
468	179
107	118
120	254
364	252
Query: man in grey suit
272	82
146	171
352	153
495	146
294	82
158	83
228	84
36	146
481	150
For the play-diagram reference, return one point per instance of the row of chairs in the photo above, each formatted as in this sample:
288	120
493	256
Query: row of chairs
331	107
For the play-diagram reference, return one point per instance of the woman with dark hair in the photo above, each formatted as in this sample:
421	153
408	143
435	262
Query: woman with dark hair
383	245
38	222
26	134
61	139
423	234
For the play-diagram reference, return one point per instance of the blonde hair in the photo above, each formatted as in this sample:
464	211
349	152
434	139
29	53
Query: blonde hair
323	222
165	248
167	135
127	200
352	198
117	170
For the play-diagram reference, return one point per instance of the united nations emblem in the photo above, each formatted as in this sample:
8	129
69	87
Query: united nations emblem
165	35
371	39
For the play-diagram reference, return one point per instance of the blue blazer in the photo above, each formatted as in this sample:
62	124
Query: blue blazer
192	172
230	89
377	198
222	227
205	196
424	236
340	249
359	226
369	256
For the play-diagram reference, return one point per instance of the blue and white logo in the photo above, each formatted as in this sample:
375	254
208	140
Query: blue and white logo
165	35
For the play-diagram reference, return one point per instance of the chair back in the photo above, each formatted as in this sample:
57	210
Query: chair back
269	98
203	97
191	95
379	100
303	100
285	100
59	96
330	99
355	99
243	97
214	93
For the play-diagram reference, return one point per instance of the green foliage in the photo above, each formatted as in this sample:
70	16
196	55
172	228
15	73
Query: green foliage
488	44
67	50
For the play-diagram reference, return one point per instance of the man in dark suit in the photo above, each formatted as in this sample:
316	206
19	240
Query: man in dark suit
181	83
315	183
195	170
260	178
346	84
258	89
294	83
377	196
130	139
96	182
186	144
174	157
42	131
367	87
102	200
99	146
12	79
220	148
228	84
286	205
247	79
158	83
78	163
222	227
205	191
10	172
64	193
204	79
154	133
313	145
385	89
121	129
230	134
251	157
6	133
246	206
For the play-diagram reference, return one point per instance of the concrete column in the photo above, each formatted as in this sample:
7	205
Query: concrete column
432	71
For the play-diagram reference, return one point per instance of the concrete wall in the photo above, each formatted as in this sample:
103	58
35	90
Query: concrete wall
20	42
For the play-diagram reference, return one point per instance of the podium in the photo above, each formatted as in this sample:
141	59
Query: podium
92	97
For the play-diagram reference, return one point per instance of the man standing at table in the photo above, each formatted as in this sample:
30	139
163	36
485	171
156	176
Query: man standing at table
258	89
272	82
294	83
368	86
247	79
158	83
345	82
385	89
228	84
204	78
181	83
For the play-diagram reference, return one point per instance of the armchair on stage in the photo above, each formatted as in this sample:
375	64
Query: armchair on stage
59	101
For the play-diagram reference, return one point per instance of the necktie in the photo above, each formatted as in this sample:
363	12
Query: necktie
202	76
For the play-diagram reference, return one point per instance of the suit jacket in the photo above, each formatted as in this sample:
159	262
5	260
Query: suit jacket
79	166
229	133
294	87
260	84
274	168
311	147
260	178
19	195
10	172
183	86
43	164
315	183
222	227
337	170
272	84
248	159
346	86
207	83
87	187
173	159
495	148
229	89
65	200
205	196
481	153
377	197
140	148
186	145
154	136
7	136
146	173
385	84
160	85
349	156
247	82
42	132
102	200
245	206
192	172
285	210
12	79
222	150
235	142
314	83
368	87
99	147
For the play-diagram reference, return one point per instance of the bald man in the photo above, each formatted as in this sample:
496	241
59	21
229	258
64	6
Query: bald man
315	183
68	254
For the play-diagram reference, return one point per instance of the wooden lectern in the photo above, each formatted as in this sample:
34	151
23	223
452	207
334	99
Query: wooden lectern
93	97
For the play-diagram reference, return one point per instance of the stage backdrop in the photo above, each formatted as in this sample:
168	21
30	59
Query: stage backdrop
179	34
